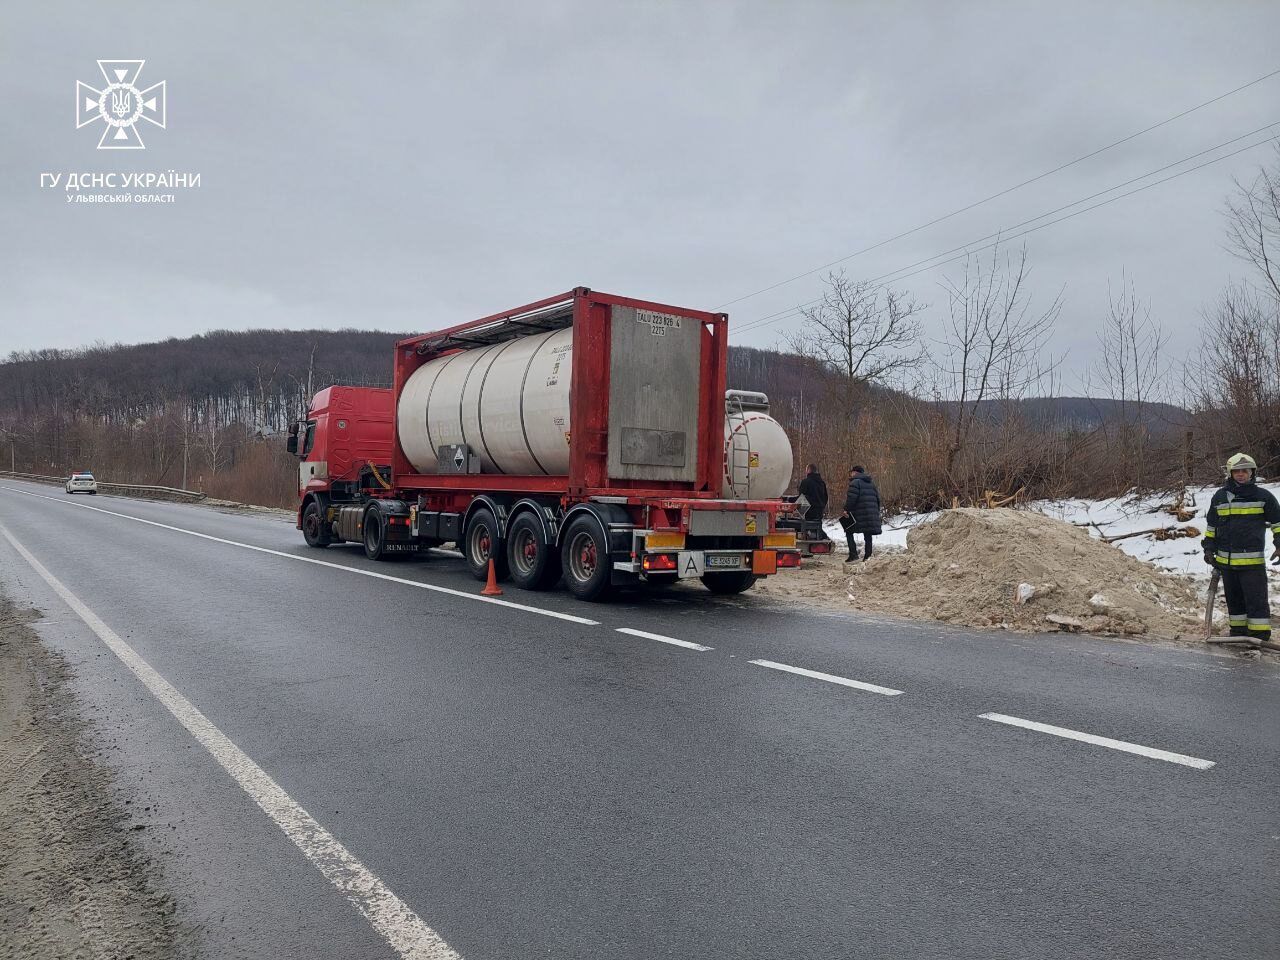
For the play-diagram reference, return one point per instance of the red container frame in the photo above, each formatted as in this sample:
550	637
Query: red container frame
588	407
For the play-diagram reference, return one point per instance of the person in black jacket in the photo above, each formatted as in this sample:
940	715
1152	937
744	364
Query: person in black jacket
861	512
814	489
1235	539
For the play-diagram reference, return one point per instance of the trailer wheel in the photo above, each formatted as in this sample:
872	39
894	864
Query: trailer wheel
735	582
534	563
584	555
313	526
482	542
375	535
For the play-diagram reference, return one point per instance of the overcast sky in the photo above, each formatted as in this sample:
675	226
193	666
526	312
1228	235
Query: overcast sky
407	166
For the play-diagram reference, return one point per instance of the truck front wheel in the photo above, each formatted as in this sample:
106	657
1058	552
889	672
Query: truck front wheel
314	526
584	555
482	543
735	582
533	562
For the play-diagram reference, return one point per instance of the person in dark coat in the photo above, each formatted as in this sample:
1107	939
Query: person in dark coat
1241	516
861	512
814	489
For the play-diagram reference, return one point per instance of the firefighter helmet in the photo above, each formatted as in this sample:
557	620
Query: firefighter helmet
1241	461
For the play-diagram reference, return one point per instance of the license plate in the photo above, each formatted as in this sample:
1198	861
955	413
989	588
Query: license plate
731	562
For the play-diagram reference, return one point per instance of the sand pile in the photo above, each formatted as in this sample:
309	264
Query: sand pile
1021	569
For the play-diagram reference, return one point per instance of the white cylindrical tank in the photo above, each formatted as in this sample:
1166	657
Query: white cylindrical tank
757	454
508	402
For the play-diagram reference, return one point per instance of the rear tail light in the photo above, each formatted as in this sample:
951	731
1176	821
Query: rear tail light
659	561
788	558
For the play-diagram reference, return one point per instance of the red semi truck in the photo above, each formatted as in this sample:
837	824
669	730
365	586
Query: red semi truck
579	437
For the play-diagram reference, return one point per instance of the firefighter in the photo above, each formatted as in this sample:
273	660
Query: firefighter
1235	537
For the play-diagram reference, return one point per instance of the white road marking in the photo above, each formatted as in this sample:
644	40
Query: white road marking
321	563
1127	747
829	677
407	934
661	639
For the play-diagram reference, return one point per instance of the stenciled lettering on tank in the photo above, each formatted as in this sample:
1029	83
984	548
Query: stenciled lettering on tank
559	353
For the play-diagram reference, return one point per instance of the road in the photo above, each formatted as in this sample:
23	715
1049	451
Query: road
526	779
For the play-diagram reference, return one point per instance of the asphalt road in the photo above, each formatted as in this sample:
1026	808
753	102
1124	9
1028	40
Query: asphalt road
533	786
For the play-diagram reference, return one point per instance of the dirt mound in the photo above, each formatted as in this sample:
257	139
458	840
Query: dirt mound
1021	569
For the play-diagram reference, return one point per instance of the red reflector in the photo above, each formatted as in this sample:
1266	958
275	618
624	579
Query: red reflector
659	561
788	559
820	548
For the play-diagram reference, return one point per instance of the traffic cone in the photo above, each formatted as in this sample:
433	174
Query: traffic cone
491	589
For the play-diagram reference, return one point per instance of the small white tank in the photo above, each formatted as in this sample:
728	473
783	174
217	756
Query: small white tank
757	452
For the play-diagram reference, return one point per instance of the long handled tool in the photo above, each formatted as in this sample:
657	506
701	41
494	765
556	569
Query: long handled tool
1208	608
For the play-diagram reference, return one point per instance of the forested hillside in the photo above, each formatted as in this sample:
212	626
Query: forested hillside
207	412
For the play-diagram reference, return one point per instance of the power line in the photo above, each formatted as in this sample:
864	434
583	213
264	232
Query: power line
900	273
1007	190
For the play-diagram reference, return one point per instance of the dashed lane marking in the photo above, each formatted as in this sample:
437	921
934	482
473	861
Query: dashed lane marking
390	916
1097	741
661	639
510	604
828	677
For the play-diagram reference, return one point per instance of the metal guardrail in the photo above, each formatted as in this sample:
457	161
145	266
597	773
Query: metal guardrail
125	489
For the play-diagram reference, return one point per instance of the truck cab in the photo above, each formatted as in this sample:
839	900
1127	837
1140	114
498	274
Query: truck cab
343	443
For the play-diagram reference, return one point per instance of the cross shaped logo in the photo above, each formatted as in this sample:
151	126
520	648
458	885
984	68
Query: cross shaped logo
120	105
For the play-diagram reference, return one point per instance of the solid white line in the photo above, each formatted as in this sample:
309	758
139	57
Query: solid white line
829	677
387	913
1127	747
321	563
661	639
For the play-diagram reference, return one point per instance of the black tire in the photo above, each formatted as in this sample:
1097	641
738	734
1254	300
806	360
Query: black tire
730	582
93	493
534	564
584	559
313	527
375	534
480	542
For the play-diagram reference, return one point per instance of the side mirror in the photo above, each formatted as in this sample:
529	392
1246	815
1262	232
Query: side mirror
292	444
293	428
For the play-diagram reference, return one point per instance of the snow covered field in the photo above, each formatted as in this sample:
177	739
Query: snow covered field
1107	518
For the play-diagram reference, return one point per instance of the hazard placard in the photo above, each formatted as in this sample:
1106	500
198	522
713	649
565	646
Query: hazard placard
690	564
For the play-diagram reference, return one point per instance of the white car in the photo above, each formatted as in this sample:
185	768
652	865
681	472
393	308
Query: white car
82	483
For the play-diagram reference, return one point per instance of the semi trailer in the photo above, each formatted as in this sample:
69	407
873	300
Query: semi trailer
586	437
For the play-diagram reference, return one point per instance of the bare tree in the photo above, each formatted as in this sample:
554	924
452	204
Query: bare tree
1236	376
1130	370
992	349
1253	225
861	332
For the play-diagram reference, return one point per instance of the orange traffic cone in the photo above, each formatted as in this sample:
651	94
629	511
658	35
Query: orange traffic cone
491	589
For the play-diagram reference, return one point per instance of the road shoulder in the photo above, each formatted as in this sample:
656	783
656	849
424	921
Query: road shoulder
72	880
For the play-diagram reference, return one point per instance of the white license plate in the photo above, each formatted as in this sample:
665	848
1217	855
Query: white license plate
733	563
